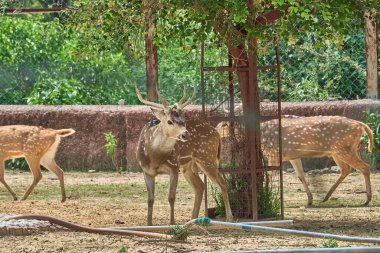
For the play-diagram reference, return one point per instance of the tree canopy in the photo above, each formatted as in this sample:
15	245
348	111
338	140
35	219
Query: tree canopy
189	22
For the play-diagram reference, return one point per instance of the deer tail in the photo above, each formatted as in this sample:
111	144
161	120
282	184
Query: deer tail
65	132
370	135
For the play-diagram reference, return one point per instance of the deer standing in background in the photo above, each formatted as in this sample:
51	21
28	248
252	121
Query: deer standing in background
172	144
38	145
334	136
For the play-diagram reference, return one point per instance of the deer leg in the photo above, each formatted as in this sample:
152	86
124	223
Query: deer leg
344	171
34	165
172	193
2	180
51	165
354	161
150	185
214	175
198	186
297	165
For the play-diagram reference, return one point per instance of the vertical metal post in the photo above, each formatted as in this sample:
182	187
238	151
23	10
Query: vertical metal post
279	113
231	86
203	78
204	114
253	121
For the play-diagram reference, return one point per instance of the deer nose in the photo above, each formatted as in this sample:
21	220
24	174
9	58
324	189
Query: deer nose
185	136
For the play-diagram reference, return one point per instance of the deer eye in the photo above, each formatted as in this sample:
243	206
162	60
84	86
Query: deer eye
170	122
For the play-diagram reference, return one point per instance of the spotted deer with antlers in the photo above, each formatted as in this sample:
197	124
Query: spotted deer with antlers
171	144
38	145
333	136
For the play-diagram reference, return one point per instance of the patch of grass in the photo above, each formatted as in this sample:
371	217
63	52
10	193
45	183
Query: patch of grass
50	190
123	249
46	192
180	233
330	243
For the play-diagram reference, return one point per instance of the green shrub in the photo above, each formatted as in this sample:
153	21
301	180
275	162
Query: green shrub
330	243
17	164
239	190
58	92
179	233
111	149
372	119
268	202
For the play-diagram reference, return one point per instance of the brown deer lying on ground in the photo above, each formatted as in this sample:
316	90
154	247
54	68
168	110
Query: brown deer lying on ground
334	136
38	145
172	143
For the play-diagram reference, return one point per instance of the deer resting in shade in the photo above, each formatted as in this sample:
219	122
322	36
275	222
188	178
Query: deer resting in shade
38	145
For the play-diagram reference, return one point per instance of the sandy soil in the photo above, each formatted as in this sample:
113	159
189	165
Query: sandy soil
343	214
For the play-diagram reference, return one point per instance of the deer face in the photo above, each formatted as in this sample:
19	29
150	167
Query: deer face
172	119
173	123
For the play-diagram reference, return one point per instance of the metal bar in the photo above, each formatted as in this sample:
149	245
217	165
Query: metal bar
299	232
204	114
309	250
246	171
275	41
203	77
34	10
206	199
253	122
235	171
269	168
231	87
226	68
168	227
241	118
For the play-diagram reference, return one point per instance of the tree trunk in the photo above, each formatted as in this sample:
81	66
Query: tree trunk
371	43
151	52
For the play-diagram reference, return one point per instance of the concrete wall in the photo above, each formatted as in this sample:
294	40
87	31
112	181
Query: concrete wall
85	149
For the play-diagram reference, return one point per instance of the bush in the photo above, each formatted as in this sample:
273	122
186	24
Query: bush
372	119
58	92
330	243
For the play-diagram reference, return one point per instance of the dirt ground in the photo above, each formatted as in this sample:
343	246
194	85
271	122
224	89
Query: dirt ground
107	199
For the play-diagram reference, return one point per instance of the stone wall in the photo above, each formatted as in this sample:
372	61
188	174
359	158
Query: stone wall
85	149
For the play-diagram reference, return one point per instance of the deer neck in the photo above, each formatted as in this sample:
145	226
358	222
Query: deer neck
160	142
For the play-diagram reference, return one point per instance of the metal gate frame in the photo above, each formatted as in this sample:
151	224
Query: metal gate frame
252	130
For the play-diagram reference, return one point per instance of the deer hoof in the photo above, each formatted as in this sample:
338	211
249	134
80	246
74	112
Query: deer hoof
15	198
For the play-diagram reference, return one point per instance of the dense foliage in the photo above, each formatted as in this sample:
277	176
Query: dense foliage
40	64
95	54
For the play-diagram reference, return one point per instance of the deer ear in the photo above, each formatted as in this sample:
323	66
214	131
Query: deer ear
159	113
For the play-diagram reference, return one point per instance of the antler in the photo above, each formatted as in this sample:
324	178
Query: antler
180	105
162	100
183	97
163	104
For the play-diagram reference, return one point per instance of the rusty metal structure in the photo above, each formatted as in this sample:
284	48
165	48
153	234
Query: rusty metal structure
249	176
